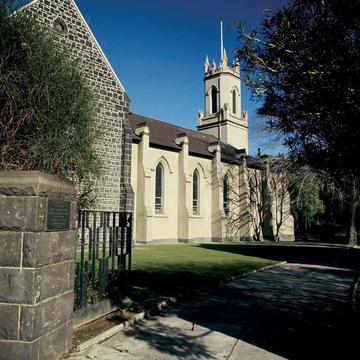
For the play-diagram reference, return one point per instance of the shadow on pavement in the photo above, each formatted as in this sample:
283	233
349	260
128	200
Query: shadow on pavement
296	312
170	340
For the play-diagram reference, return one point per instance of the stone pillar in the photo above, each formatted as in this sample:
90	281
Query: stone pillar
217	211
245	214
144	195
184	190
37	253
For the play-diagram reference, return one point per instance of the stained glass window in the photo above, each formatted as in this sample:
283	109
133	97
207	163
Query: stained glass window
159	198
196	193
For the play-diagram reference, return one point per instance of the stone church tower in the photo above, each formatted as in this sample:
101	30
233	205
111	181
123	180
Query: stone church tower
223	117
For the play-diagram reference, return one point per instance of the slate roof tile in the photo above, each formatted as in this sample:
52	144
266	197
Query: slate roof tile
163	134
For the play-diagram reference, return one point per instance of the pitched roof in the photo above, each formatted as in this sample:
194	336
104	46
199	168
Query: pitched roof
163	134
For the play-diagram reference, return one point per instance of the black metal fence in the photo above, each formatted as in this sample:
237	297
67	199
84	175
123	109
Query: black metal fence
103	254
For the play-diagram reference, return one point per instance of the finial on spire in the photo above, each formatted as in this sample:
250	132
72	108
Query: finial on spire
225	56
206	64
213	68
224	60
200	117
236	67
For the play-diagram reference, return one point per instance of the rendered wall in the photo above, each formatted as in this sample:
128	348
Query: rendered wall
199	224
165	225
239	221
177	222
254	208
134	182
279	197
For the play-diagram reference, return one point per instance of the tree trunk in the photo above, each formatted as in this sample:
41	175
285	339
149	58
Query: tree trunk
329	220
352	233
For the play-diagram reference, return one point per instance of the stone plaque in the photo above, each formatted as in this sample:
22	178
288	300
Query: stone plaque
58	214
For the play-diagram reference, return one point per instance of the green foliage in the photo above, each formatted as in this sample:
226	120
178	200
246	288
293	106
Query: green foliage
92	295
126	303
303	64
306	203
46	109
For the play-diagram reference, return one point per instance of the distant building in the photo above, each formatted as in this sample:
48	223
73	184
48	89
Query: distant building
182	185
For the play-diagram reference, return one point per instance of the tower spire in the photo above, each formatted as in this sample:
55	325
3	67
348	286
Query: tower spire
222	40
206	64
223	117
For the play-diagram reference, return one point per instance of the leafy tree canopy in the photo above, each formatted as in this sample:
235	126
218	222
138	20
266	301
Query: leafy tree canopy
303	64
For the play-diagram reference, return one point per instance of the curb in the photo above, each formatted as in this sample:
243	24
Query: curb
164	304
253	272
124	325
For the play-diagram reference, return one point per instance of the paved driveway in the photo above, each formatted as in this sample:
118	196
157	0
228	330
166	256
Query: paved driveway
296	311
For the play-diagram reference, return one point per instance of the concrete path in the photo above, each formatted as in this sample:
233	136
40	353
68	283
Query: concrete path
296	311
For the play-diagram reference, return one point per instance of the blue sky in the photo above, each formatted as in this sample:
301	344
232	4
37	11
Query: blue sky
158	47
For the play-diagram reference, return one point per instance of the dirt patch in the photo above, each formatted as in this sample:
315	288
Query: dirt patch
98	326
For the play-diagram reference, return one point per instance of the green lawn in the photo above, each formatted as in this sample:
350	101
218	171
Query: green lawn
195	260
163	271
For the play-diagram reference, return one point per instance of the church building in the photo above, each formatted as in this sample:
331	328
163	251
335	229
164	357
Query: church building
182	185
193	186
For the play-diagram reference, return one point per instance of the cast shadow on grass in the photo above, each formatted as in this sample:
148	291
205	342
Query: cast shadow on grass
144	289
336	257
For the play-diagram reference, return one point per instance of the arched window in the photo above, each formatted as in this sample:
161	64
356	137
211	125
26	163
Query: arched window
196	193
214	96
226	195
60	26
234	101
159	189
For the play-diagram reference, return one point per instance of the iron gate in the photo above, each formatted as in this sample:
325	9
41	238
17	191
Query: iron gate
103	254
